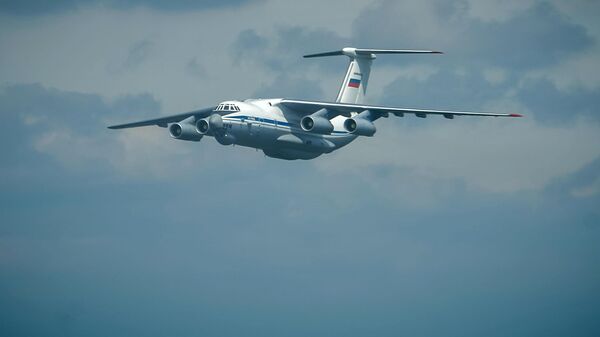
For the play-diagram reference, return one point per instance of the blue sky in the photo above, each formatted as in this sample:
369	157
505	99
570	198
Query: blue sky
467	227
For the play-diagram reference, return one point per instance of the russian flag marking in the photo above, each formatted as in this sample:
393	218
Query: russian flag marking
354	83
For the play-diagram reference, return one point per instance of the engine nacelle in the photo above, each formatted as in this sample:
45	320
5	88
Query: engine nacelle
184	131
360	126
209	125
316	124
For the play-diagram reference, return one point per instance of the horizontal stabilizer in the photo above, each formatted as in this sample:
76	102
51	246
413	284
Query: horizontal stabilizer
354	52
330	53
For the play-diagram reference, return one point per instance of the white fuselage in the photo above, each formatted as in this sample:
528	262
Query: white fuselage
262	124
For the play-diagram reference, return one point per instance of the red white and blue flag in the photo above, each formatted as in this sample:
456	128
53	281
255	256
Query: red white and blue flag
354	83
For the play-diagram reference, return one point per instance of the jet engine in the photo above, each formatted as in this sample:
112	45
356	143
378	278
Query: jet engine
359	126
209	124
316	124
185	130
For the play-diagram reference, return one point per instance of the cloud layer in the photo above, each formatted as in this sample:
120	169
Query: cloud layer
36	7
467	227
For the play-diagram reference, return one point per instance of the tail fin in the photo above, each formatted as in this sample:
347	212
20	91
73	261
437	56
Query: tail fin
354	85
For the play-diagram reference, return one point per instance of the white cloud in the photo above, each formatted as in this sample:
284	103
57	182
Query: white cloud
72	150
498	11
584	13
587	191
74	51
494	155
580	71
382	75
79	50
150	152
494	75
144	153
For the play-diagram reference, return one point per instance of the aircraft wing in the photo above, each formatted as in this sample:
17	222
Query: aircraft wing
163	121
309	107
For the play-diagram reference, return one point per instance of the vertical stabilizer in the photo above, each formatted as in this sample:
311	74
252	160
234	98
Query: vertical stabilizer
354	85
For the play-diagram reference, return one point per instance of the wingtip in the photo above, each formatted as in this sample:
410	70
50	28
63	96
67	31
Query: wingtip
437	52
515	115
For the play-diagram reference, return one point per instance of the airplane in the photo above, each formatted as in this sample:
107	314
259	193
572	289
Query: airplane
298	129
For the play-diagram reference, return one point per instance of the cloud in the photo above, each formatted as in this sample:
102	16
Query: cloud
497	156
553	105
292	86
539	78
578	185
532	38
136	56
196	68
471	90
498	11
34	7
248	44
577	73
70	129
137	53
282	52
469	223
494	75
450	88
284	49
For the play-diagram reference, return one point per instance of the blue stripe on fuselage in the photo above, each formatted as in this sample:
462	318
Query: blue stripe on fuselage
271	122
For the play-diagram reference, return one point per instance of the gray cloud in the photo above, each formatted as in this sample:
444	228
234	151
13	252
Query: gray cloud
63	127
581	187
33	7
137	53
552	105
196	68
446	88
248	44
283	52
469	90
259	238
433	227
285	85
536	37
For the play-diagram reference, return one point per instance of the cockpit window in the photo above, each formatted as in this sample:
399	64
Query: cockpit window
227	107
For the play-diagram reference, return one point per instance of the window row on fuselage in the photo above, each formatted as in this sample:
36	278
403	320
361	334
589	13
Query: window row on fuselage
227	107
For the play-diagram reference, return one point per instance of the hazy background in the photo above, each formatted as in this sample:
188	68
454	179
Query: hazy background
469	227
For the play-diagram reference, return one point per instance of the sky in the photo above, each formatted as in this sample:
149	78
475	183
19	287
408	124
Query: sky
464	227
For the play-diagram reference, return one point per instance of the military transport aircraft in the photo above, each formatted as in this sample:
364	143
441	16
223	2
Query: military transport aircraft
298	129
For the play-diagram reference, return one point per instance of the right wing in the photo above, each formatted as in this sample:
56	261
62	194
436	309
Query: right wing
309	107
164	121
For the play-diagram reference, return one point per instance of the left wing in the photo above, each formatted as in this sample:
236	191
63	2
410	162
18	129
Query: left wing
309	107
163	121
